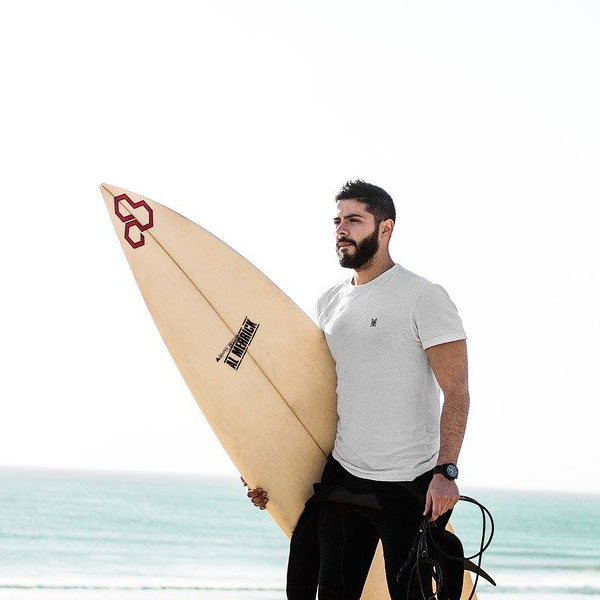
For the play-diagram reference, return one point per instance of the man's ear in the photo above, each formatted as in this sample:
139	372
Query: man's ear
388	227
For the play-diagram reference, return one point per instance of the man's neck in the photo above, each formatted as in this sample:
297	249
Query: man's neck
370	271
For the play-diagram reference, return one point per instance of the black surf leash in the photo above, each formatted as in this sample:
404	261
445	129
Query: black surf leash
420	554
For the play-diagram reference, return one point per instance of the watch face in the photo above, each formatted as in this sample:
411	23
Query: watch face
452	471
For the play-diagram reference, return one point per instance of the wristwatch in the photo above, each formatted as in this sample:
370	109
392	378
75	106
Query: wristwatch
449	470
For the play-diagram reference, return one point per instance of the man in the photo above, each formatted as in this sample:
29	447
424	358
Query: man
396	339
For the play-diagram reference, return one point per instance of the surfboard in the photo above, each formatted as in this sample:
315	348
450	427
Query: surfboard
256	364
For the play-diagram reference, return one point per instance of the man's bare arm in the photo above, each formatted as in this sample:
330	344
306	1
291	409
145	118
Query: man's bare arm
449	364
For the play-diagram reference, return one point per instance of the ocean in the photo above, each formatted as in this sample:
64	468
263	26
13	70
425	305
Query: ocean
88	535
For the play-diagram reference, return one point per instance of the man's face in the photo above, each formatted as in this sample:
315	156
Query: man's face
356	234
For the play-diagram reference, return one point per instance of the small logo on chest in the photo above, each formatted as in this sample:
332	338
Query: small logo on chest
374	322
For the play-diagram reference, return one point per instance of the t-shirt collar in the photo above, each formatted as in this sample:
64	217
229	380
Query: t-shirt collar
377	281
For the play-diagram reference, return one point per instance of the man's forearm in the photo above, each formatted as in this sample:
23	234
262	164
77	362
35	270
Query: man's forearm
453	423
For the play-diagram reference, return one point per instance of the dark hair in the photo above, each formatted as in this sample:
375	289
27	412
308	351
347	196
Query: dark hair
379	202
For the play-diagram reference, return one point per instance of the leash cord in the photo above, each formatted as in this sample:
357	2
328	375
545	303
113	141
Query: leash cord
422	553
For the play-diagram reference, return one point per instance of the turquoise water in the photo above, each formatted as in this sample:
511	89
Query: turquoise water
86	535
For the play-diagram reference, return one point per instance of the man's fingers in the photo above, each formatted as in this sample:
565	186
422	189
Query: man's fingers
262	504
445	504
441	507
427	504
436	509
259	497
450	503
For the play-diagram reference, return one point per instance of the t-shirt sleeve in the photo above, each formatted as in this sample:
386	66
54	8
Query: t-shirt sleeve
435	317
314	312
317	307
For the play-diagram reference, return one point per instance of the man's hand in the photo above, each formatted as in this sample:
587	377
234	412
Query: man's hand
257	496
442	495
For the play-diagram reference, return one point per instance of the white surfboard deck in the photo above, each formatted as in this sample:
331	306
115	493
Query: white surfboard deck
257	365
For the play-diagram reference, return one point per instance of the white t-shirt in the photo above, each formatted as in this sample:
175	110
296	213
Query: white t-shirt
388	399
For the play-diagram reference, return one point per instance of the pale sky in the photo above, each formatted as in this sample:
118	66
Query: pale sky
480	119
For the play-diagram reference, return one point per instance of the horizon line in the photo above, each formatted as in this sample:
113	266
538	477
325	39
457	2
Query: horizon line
195	474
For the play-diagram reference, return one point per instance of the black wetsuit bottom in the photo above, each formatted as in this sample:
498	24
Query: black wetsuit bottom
335	540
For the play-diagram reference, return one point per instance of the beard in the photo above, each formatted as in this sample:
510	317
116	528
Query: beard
364	251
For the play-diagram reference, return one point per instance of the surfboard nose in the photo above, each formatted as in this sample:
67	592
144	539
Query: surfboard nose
106	188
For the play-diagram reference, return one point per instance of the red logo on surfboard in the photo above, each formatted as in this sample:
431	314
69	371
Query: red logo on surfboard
130	220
